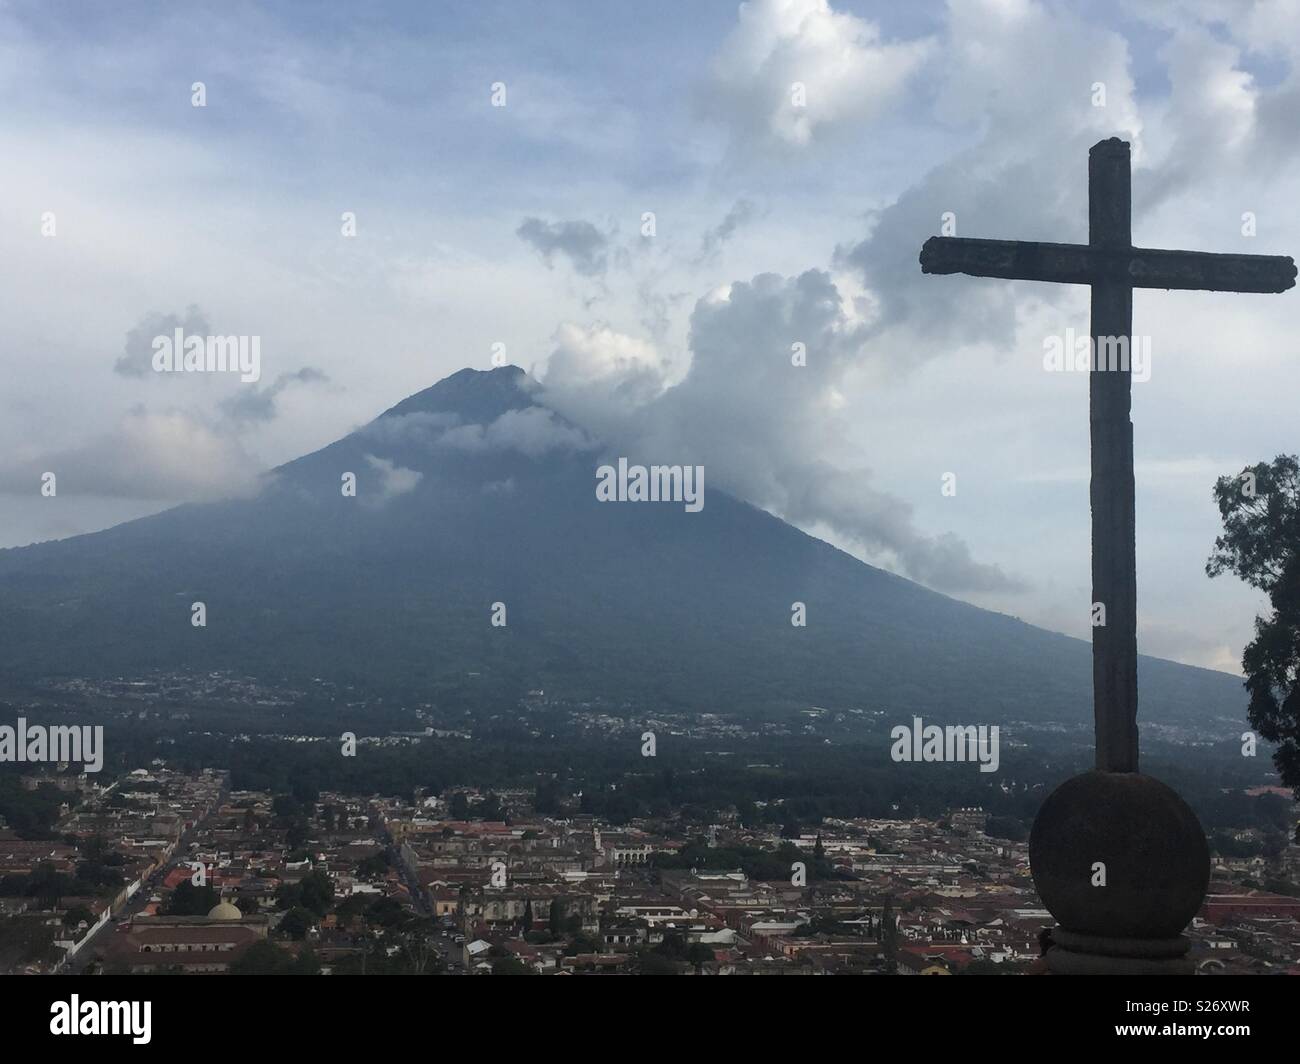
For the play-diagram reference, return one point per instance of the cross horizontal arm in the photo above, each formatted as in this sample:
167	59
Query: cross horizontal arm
1084	264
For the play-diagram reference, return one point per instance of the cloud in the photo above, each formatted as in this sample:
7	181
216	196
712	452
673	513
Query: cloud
251	404
761	425
136	359
847	73
172	455
169	456
500	487
421	428
742	212
600	377
246	404
394	480
1021	74
585	246
532	432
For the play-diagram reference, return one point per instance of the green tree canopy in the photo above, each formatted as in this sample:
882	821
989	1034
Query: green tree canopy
1260	508
189	900
297	922
266	958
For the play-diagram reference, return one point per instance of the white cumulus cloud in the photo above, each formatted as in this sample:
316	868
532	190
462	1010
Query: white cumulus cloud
792	69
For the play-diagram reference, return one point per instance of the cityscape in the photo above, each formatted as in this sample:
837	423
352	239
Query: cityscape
162	870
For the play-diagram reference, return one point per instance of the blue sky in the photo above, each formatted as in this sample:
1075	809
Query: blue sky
773	224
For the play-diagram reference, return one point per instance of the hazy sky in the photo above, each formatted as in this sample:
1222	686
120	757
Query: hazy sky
774	223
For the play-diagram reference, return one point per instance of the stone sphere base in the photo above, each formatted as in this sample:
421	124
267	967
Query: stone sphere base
1073	954
1121	862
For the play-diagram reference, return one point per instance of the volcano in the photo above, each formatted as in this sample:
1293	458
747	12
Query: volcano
458	540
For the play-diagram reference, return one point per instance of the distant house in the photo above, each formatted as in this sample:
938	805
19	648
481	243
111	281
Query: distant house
1219	908
912	963
194	944
476	953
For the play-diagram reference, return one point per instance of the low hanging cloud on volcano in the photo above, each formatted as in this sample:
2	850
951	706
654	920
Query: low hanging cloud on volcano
757	421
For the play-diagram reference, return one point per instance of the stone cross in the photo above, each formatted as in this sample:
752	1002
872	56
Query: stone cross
1113	267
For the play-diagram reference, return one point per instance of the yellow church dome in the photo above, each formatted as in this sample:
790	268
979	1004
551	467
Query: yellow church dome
224	911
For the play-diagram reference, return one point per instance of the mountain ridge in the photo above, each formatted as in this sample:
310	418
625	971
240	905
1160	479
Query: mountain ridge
470	493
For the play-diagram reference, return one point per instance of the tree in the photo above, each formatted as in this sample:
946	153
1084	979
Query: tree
388	913
297	922
48	885
306	963
491	808
26	939
655	963
582	943
546	799
982	966
374	866
286	807
96	877
887	932
261	958
352	905
266	958
316	892
189	900
1260	508
673	944
1006	827
699	955
418	949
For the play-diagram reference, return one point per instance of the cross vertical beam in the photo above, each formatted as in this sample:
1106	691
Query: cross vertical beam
1113	267
1114	545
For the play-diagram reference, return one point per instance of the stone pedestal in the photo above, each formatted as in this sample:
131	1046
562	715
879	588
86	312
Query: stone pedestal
1122	863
